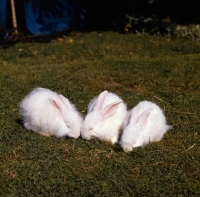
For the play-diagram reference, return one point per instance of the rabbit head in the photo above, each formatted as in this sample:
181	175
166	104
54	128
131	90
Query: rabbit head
136	125
98	123
71	117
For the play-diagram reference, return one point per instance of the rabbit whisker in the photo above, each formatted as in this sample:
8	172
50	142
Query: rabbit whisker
97	134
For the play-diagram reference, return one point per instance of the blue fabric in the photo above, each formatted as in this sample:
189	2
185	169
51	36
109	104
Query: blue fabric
45	16
2	16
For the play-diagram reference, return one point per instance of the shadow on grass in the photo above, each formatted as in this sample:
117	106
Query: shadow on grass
19	122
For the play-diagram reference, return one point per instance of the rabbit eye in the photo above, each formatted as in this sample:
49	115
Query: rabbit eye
68	126
90	127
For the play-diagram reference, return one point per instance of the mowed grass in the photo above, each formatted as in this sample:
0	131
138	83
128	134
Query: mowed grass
164	70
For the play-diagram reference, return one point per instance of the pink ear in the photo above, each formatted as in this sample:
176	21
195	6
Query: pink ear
100	100
57	103
65	101
134	114
110	109
144	117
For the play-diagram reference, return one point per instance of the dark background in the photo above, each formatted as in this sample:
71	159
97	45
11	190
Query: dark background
111	14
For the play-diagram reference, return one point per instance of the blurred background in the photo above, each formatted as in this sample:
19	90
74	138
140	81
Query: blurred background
28	17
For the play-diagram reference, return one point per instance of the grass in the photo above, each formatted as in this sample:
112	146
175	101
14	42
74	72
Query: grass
165	70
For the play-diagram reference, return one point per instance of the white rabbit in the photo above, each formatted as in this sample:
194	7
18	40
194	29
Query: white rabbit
49	113
105	118
145	123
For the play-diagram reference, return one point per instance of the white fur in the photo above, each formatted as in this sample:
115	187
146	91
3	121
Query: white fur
105	118
49	113
145	123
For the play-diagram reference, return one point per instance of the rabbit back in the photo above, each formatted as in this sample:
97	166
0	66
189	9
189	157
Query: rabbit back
40	115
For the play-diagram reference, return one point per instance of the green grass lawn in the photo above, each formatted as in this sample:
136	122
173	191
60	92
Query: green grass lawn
164	70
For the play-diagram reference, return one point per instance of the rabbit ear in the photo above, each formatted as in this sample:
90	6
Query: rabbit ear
134	114
100	100
142	120
58	103
65	101
110	109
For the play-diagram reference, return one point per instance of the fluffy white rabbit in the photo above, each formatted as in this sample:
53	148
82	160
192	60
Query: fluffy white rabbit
105	118
50	113
144	123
